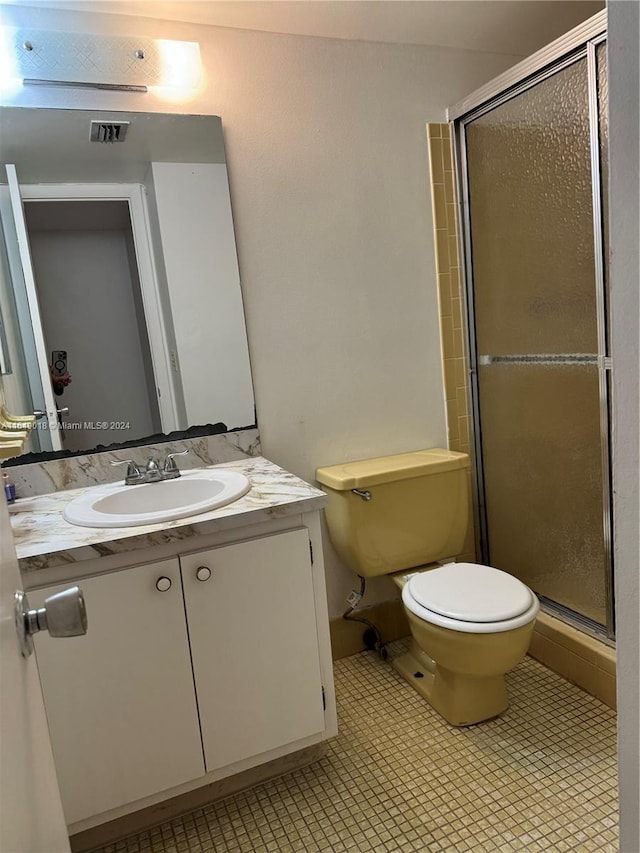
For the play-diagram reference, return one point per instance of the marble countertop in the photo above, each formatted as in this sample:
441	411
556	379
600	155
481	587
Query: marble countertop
43	538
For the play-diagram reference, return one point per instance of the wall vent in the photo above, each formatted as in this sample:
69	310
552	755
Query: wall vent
108	131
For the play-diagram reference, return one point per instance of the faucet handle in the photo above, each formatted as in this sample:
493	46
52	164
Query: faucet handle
134	475
170	469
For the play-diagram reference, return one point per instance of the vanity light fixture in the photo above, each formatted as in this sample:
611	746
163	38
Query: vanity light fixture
94	61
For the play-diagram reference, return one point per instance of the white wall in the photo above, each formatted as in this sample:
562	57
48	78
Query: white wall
198	246
327	161
624	35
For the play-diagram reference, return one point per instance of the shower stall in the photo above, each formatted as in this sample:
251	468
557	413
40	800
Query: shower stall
532	169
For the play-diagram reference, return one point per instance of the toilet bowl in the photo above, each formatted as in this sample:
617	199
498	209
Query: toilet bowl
470	624
405	516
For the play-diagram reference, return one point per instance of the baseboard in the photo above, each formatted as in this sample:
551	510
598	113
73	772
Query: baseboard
576	656
388	616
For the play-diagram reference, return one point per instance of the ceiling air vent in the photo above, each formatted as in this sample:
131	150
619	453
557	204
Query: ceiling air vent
108	131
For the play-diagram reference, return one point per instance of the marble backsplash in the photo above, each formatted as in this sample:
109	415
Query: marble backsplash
42	478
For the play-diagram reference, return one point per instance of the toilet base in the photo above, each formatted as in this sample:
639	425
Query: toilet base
461	700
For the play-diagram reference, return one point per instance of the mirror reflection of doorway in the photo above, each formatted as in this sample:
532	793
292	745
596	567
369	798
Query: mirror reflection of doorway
90	303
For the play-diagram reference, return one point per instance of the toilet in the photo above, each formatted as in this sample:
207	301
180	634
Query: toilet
405	516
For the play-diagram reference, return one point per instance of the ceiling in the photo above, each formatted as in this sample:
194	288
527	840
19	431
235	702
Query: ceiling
515	27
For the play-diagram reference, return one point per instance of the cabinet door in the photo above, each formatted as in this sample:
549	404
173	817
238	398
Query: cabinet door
120	701
254	646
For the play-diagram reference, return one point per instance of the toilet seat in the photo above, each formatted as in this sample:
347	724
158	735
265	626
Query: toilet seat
471	598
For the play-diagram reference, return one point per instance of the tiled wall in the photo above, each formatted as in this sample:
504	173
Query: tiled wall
450	298
577	657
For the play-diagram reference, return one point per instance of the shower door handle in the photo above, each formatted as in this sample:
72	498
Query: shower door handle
545	358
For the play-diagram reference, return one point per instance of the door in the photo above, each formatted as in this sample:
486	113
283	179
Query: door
252	626
90	301
120	702
38	366
31	818
537	299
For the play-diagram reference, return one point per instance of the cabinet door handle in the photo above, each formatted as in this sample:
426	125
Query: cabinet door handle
203	573
163	584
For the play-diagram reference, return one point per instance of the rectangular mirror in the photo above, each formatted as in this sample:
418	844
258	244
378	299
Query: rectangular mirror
119	287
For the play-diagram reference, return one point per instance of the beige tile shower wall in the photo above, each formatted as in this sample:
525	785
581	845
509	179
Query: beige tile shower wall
448	262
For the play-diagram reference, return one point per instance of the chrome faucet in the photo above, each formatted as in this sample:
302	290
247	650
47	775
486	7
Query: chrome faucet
152	472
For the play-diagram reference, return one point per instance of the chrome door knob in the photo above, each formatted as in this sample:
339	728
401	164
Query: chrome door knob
64	615
163	584
203	573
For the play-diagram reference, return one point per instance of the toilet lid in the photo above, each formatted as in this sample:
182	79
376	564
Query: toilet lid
470	593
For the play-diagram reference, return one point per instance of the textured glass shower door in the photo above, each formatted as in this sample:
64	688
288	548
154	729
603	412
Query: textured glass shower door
537	313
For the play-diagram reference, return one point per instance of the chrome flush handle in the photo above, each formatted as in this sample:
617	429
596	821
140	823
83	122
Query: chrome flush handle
365	494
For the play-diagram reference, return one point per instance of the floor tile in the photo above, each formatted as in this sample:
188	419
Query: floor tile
398	779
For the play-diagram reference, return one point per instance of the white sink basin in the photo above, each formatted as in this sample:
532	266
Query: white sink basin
126	506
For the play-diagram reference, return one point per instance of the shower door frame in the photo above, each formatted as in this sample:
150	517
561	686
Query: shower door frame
578	44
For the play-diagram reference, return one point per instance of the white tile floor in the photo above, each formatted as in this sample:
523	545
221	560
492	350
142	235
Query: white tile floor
399	779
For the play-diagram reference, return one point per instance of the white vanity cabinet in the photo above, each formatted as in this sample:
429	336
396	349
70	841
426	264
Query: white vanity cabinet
254	645
193	668
120	702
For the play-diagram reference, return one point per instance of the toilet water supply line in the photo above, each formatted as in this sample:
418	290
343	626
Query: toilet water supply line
371	637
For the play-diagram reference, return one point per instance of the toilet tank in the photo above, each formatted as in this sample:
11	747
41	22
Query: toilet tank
417	512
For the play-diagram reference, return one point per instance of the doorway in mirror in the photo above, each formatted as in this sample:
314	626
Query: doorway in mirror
91	308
